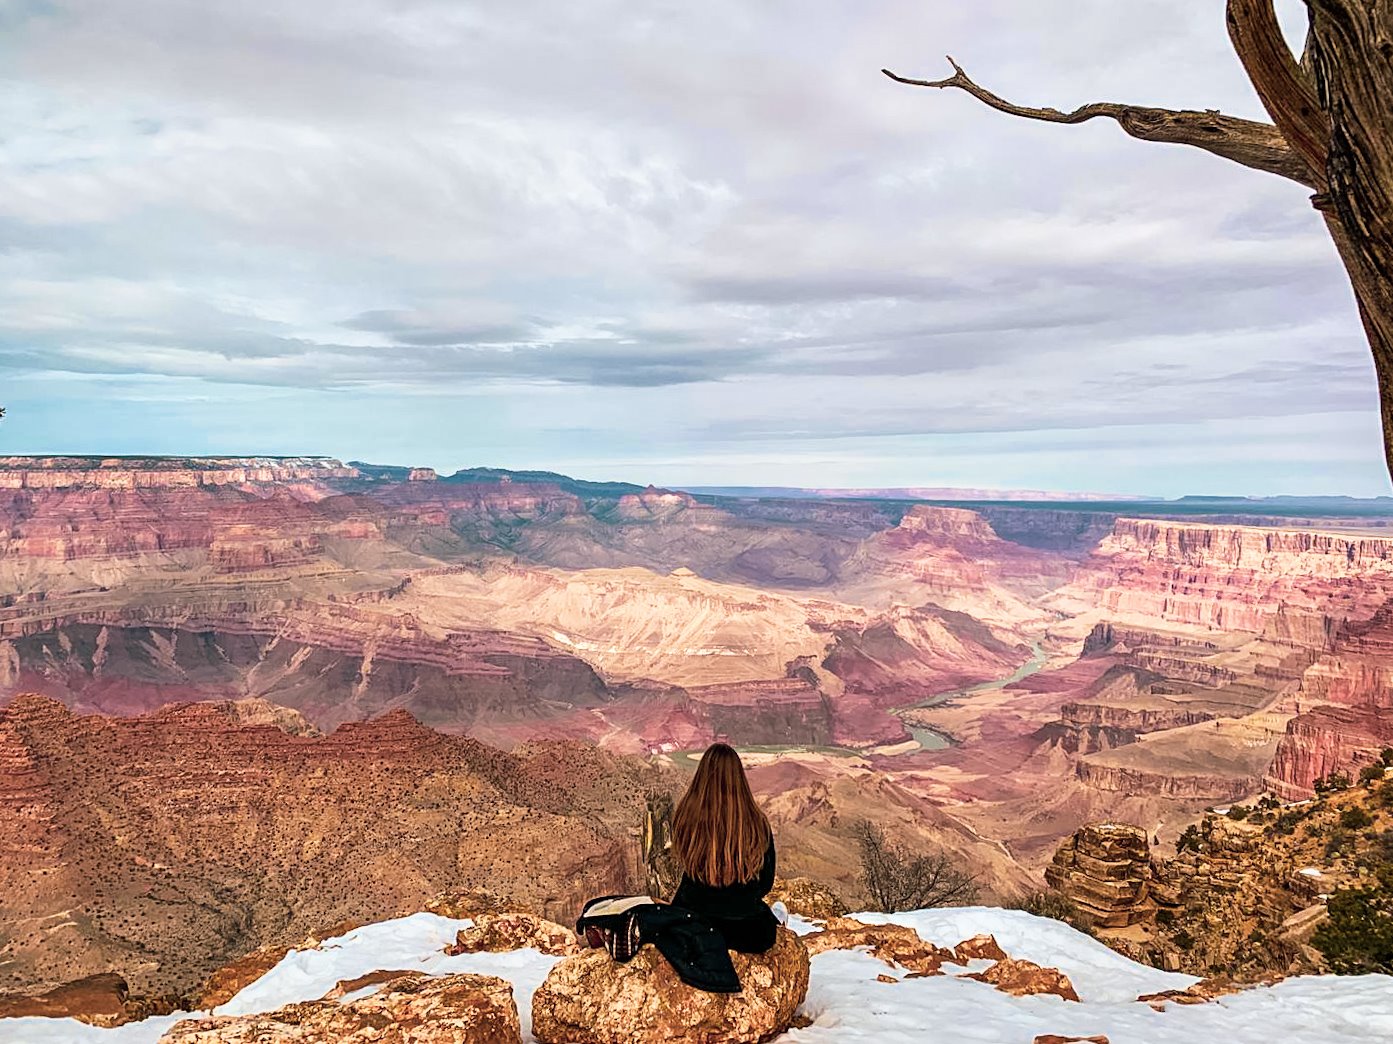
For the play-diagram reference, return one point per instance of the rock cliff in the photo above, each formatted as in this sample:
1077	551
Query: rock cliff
1228	578
131	473
165	845
1345	707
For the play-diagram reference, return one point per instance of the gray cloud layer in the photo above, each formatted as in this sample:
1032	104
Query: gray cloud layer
716	219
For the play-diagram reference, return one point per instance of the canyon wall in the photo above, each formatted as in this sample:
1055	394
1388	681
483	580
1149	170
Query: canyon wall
1345	709
1227	578
131	473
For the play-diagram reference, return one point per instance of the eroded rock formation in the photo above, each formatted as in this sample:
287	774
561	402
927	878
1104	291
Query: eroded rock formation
592	1000
1346	709
1106	870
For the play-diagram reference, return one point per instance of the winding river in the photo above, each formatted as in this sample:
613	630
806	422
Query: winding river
928	739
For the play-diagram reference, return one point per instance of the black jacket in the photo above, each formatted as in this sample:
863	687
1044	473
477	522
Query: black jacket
737	911
689	942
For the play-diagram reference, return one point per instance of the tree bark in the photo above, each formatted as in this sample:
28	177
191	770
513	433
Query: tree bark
1351	53
1332	131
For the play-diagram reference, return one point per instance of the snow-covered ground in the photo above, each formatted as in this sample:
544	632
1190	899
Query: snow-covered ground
846	1001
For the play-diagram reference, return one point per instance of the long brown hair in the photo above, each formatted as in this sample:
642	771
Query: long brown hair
719	834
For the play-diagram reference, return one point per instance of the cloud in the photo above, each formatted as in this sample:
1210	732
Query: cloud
717	221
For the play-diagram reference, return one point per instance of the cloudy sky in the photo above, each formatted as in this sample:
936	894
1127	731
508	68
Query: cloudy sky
670	242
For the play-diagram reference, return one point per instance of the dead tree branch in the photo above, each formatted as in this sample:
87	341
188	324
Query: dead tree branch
1260	146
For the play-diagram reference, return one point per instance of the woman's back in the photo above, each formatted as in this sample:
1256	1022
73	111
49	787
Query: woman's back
726	849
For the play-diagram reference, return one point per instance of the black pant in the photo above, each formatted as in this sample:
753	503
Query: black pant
747	934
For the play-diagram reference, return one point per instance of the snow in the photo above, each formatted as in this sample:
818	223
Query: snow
1311	871
848	1004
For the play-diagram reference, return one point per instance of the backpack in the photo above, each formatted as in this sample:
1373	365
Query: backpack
612	923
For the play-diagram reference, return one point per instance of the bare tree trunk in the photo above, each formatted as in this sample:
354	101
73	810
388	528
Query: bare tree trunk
1332	131
1351	53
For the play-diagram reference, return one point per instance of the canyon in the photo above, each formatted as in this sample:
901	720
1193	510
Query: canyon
522	659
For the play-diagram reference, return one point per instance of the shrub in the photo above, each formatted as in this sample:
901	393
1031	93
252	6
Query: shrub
896	879
1054	905
1286	822
1337	841
1386	756
1355	818
1239	812
1190	839
1370	774
1384	794
1358	937
1268	803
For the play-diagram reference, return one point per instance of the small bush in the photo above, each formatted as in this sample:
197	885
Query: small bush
1054	905
1239	812
1190	839
1355	818
896	879
1383	797
1338	843
1358	937
1370	774
1386	756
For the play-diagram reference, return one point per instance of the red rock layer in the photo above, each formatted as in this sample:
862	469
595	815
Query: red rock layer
332	662
953	550
1231	578
122	473
1346	709
240	530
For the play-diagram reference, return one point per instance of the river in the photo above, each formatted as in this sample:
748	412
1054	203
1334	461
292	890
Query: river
928	739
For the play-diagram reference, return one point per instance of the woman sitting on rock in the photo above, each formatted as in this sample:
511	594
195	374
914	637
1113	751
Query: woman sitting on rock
723	842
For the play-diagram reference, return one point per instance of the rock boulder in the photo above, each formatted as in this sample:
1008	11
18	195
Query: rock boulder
806	898
495	933
590	999
894	944
410	1009
1023	978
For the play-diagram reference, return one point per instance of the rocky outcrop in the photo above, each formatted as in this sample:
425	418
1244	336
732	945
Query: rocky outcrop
895	944
592	1000
331	663
498	933
979	948
1125	779
409	1009
97	999
1106	870
772	711
1024	978
804	897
